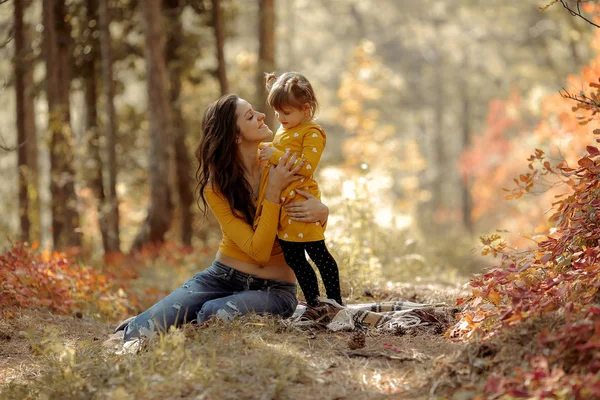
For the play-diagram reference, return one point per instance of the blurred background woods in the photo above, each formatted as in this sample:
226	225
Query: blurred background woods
431	109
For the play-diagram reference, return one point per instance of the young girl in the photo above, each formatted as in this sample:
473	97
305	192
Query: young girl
292	97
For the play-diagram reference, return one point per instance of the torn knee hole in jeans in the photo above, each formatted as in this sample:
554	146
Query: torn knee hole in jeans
228	312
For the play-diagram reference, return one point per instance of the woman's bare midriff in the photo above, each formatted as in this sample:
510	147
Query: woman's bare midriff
279	272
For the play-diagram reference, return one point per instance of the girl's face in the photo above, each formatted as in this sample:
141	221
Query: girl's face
251	123
291	117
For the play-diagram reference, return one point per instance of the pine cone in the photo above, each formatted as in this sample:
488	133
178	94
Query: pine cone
400	330
356	341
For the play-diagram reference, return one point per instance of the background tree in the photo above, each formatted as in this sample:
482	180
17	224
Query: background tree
218	24
176	63
25	116
93	174
160	207
57	40
266	55
111	208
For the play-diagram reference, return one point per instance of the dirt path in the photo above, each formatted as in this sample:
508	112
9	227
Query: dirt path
42	355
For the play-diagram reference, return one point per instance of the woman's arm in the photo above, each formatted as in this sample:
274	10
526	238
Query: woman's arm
258	243
309	210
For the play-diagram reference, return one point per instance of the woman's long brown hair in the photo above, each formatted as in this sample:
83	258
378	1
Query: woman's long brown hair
219	159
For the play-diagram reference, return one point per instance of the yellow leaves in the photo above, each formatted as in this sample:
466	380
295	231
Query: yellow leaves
514	196
494	297
492	244
488	240
544	8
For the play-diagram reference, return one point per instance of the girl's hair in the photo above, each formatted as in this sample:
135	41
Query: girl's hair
291	89
219	159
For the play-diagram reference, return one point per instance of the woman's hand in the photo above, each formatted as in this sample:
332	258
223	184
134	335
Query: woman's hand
282	175
309	210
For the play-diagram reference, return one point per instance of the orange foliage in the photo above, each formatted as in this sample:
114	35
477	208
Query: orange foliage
34	279
30	278
560	278
498	155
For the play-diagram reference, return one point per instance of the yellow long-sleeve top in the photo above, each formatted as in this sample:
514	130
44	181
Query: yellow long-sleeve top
308	141
242	242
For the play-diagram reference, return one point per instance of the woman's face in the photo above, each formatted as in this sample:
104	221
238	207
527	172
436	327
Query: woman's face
251	123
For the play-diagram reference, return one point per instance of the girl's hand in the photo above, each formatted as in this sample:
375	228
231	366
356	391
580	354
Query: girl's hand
265	152
309	210
284	173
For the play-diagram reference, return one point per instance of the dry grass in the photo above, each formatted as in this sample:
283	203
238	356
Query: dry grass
46	356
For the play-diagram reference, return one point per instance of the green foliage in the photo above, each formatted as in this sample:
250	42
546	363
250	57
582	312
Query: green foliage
370	253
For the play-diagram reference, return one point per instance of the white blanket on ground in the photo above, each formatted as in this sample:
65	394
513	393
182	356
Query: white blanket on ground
384	315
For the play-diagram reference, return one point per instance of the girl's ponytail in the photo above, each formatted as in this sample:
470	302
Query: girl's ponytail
270	79
291	83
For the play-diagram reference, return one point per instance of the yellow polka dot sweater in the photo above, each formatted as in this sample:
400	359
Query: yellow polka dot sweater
308	141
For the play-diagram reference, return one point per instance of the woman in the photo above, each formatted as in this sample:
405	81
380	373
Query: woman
249	273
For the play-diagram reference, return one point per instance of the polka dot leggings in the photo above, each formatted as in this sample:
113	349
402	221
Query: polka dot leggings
317	251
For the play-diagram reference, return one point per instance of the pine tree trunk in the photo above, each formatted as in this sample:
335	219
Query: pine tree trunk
439	132
266	55
159	216
220	41
113	243
28	60
23	136
94	176
33	184
467	202
65	217
290	37
183	166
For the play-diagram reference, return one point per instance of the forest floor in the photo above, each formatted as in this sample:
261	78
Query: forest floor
68	357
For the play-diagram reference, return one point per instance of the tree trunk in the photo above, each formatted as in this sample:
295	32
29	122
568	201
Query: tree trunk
217	14
95	175
182	158
290	39
467	204
33	181
23	114
65	217
112	202
266	55
159	217
28	61
438	144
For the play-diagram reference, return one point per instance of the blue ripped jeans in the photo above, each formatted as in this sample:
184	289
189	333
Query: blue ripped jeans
219	291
